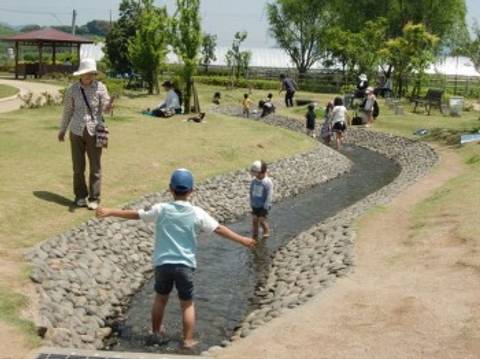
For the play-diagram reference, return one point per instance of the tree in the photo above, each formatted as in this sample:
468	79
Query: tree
209	43
98	27
122	32
298	27
438	16
238	60
357	52
28	28
186	41
148	49
410	54
473	48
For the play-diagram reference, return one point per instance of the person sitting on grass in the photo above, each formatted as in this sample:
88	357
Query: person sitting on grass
267	106
216	98
176	228
172	104
261	194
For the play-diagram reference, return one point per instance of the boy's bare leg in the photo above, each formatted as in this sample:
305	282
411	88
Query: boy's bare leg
158	308
188	317
265	227
255	223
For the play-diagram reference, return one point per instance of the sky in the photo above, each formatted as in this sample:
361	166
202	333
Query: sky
221	17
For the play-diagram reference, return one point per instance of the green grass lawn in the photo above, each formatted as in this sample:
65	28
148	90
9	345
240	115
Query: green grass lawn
7	91
36	181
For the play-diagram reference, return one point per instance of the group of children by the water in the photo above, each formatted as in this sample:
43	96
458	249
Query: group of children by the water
336	118
177	225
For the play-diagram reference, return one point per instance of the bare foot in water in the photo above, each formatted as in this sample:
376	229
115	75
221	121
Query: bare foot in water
190	344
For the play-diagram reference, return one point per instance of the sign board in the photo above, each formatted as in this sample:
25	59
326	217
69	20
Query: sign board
470	138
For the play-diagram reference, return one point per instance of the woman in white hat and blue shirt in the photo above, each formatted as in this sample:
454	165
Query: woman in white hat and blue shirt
82	122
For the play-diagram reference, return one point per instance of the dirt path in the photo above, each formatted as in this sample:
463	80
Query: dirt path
11	104
406	299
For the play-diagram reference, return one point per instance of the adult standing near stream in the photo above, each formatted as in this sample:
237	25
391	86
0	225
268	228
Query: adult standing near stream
290	87
84	103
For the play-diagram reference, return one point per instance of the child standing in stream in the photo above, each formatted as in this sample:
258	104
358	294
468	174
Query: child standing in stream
261	194
311	118
177	224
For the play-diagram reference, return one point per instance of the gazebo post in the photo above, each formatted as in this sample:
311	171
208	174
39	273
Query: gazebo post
54	53
16	59
40	62
78	52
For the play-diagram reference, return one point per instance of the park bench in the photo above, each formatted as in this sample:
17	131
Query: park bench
433	98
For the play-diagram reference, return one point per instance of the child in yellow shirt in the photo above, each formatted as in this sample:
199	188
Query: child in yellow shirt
246	104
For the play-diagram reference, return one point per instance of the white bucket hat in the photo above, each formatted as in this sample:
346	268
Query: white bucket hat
256	167
87	66
363	77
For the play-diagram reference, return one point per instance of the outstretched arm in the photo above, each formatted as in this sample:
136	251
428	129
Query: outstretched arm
121	213
225	232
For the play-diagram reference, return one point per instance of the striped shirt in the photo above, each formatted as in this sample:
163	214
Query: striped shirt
75	111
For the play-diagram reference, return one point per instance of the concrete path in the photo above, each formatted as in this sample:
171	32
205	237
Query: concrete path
58	353
13	103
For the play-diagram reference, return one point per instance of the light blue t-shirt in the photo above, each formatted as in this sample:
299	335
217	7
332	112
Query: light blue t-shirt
177	225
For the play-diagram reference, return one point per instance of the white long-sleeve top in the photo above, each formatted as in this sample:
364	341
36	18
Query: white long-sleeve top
171	102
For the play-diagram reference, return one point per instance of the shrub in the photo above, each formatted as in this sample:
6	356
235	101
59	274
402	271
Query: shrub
226	81
30	101
115	87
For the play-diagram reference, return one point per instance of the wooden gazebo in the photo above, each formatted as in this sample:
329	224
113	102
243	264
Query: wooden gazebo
47	37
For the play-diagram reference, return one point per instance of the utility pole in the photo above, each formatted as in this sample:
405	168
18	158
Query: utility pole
74	19
110	17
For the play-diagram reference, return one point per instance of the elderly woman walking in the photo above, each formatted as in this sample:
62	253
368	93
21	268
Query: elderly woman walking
84	103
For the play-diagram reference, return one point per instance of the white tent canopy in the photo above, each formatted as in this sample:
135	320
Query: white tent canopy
278	58
454	66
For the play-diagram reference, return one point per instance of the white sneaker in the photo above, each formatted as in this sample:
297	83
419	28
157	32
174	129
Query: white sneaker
81	202
92	205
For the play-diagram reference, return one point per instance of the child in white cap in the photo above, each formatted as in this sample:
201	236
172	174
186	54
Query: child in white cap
261	194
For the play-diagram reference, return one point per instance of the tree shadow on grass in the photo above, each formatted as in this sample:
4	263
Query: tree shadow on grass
56	198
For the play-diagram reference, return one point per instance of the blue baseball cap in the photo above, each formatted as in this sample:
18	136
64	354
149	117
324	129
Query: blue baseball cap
181	181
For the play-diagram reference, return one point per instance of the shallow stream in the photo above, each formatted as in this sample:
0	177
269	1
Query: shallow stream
227	273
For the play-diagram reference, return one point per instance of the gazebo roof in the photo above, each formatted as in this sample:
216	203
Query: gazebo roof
47	35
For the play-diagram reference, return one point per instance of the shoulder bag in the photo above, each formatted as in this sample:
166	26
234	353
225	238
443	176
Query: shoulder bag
101	129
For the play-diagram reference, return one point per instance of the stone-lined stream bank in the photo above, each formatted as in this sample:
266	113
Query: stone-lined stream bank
87	276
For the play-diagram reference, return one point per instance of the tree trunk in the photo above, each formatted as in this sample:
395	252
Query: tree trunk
188	96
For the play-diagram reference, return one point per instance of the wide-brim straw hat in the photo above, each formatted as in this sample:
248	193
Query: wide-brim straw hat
87	66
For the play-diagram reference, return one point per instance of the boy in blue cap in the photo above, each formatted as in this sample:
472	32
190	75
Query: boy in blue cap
177	224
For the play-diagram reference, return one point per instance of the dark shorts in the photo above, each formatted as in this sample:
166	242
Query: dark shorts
260	212
182	276
339	127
